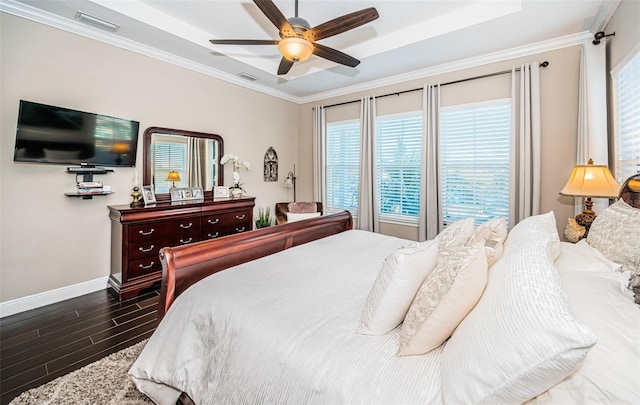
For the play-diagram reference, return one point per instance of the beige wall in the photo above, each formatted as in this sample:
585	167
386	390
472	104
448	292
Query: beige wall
559	109
50	241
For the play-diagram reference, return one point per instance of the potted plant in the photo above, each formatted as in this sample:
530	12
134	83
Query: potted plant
263	219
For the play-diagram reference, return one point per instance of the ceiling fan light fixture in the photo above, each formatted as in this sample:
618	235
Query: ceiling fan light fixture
295	49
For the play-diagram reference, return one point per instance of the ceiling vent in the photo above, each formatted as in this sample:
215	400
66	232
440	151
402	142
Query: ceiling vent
247	76
96	22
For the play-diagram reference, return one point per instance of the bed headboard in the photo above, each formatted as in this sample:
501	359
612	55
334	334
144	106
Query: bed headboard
630	191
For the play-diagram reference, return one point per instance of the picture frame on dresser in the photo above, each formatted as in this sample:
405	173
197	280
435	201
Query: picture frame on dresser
186	194
148	195
220	192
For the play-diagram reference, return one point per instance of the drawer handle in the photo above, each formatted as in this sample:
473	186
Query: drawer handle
147	233
215	235
240	217
240	229
186	241
183	226
143	250
214	222
147	267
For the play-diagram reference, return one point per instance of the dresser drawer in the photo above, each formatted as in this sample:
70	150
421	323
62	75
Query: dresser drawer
226	219
220	231
162	229
143	267
151	248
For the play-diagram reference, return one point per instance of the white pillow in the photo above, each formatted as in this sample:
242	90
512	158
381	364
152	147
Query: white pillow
530	229
616	234
445	298
456	234
520	339
582	257
293	217
399	279
492	234
611	371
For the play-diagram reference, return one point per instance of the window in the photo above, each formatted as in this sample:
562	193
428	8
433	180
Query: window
627	123
166	156
343	166
474	160
398	150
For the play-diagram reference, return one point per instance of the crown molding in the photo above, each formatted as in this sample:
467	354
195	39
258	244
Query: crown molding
52	20
43	17
606	12
531	49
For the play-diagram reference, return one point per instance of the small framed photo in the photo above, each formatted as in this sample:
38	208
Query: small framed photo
220	192
186	194
148	195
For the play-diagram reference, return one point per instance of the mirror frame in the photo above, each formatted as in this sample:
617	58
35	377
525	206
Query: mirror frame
146	155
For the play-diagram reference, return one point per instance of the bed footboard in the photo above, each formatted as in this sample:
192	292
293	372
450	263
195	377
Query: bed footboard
185	265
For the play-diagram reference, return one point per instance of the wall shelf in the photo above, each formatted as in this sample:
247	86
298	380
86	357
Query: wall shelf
87	176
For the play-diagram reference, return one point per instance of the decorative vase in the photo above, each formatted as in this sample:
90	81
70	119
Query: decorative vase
236	192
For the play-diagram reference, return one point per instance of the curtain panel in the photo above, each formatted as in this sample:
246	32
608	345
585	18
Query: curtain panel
525	143
319	154
368	199
430	216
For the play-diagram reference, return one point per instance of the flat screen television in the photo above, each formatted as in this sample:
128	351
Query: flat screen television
49	134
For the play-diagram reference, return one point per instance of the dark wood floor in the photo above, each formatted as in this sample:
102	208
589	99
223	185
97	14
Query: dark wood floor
40	345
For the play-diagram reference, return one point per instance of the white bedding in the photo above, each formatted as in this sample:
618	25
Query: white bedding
281	329
217	345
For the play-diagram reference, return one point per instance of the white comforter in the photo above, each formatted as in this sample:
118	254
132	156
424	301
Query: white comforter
282	330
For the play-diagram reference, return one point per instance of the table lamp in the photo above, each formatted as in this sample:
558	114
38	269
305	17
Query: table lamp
173	176
590	181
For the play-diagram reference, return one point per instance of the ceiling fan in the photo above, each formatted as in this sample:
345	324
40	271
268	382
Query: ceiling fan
299	39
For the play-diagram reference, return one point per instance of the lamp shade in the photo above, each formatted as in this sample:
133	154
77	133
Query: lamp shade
591	181
295	49
173	176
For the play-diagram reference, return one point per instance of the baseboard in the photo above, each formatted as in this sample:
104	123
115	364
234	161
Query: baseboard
50	297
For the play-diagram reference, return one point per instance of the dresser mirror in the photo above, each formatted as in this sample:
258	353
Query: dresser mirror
192	158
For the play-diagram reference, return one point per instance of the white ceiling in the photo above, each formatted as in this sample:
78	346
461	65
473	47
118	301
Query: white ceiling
409	39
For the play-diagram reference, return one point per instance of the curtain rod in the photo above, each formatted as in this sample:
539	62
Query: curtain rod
397	93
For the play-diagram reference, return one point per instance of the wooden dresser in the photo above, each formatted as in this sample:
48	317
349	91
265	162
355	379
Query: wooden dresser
138	234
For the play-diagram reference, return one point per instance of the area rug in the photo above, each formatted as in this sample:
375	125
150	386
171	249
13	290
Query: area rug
102	382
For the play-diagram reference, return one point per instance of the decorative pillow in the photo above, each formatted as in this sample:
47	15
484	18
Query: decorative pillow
520	339
293	217
399	279
582	257
493	234
302	207
616	234
445	298
532	228
456	234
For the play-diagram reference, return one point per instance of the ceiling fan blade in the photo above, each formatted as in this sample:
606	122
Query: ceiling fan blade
276	17
341	24
334	55
285	66
243	42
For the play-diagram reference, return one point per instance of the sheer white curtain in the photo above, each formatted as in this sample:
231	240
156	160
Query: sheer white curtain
319	153
367	199
525	143
592	114
429	216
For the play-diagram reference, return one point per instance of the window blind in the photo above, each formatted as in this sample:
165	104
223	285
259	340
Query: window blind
343	166
628	120
168	156
474	160
398	149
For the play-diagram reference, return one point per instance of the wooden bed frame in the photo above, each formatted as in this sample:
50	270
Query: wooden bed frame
185	265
